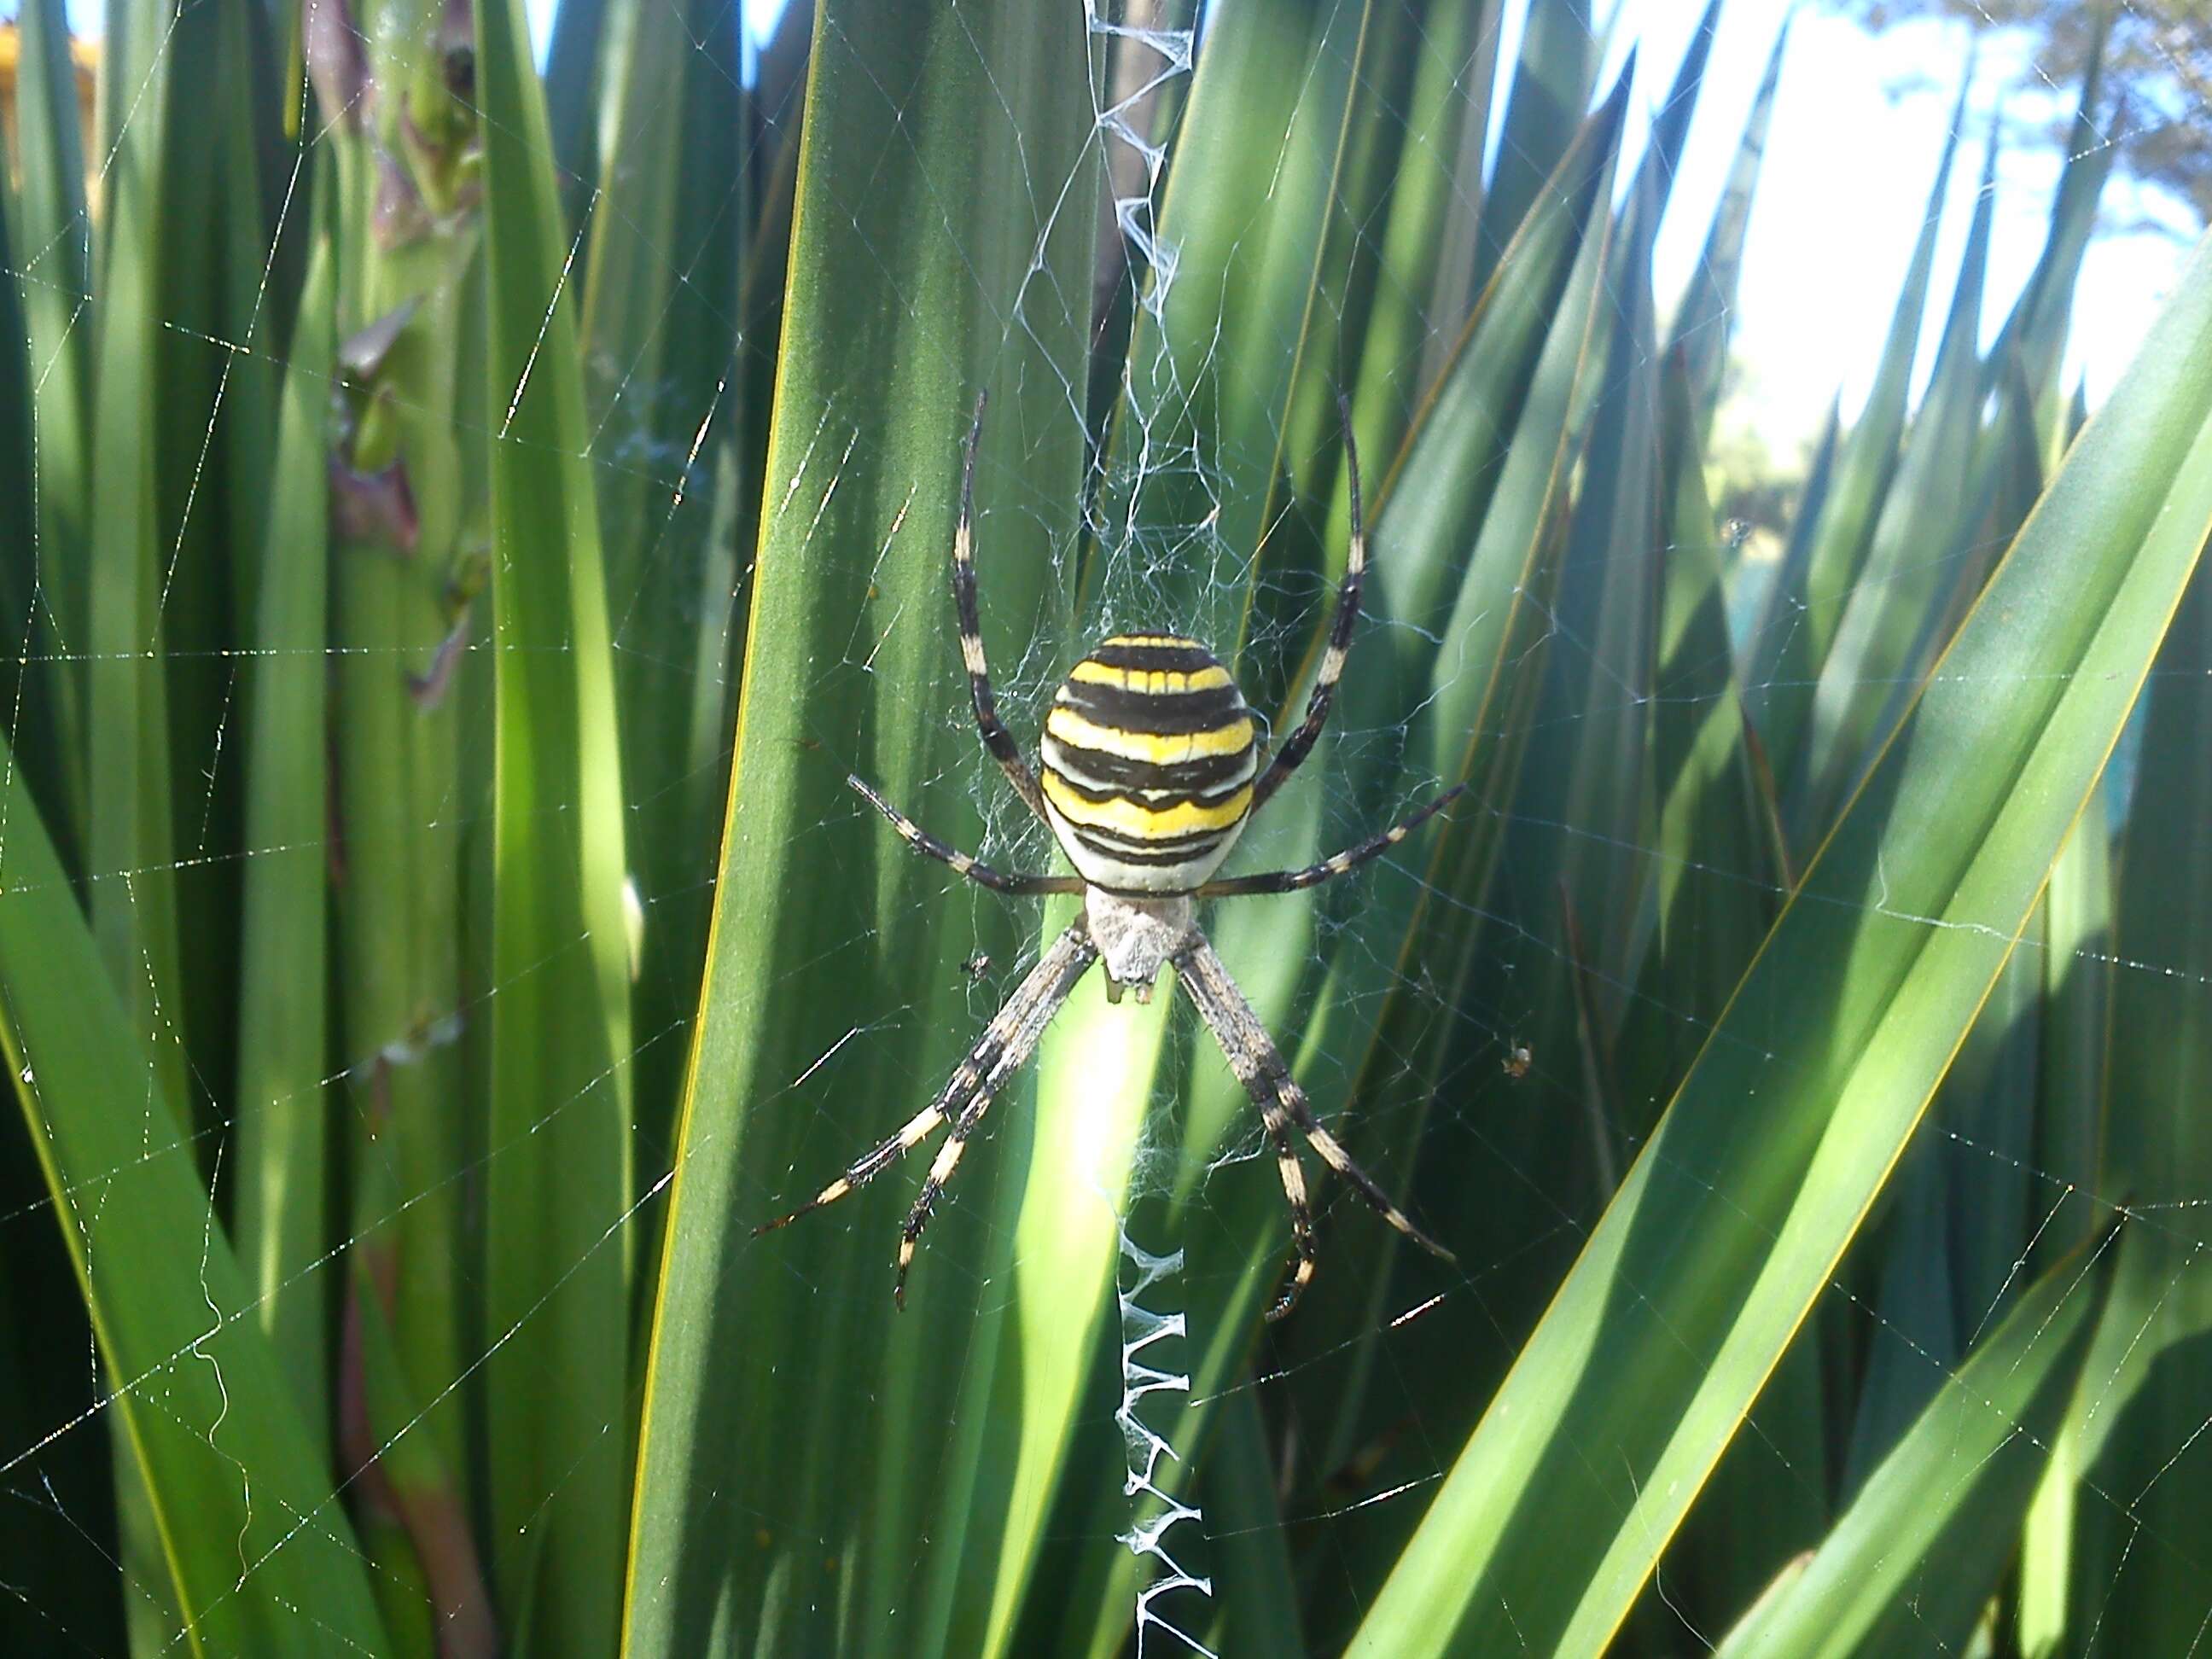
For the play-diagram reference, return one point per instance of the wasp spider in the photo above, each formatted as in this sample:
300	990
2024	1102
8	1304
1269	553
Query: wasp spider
1152	768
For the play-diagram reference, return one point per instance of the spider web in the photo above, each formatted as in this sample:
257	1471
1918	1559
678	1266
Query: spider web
1363	1408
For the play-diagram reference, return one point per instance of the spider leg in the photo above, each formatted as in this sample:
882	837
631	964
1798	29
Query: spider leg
1301	742
1006	1042
981	874
1011	1039
880	1156
1290	881
941	1171
1258	1065
1294	1193
996	738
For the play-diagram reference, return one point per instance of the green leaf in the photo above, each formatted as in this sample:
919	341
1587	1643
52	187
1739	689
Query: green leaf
558	1193
131	856
1419	133
665	395
1913	1561
47	435
1434	501
212	433
839	1513
1706	315
2077	955
1732	1220
129	851
1883	636
1670	122
1804	610
1254	1583
575	61
2036	329
2077	998
1229	1218
1215	355
1712	814
1458	514
256	1552
1552	85
1961	1223
284	1053
2133	1440
20	594
1598	677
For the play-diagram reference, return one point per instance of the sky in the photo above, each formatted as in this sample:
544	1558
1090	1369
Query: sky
1844	191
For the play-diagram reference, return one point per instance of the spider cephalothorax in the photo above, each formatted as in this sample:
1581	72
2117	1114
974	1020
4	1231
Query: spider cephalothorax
1150	770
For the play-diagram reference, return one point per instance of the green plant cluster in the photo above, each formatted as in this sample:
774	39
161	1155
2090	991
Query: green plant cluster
459	523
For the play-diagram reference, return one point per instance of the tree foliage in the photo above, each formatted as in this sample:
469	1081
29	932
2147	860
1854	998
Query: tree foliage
2157	70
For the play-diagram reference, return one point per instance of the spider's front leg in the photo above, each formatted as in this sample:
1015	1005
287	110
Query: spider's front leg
1300	742
974	869
996	738
1291	881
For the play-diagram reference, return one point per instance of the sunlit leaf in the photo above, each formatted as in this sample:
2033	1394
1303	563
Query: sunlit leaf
284	1039
851	661
557	1296
1916	1557
1805	608
1897	933
256	1554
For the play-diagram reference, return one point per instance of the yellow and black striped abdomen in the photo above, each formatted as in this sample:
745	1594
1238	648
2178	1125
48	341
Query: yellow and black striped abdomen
1148	754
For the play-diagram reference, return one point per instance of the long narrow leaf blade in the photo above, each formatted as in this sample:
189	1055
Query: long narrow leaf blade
1734	1216
2134	1438
256	1548
792	1417
1707	314
558	1198
1912	1561
283	1057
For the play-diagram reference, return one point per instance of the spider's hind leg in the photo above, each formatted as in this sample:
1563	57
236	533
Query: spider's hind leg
1304	1257
1006	1043
1005	1046
871	1164
1260	1066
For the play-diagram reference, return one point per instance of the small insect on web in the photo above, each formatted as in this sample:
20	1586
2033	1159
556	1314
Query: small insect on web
1150	770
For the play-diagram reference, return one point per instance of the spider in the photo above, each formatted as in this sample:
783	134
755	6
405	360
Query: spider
1151	770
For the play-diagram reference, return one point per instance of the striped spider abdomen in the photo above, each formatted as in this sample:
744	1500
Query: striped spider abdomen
1148	754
